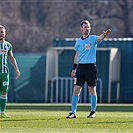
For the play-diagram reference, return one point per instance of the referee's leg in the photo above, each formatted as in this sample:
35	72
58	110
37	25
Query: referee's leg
93	98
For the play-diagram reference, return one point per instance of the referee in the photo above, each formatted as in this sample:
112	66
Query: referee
84	68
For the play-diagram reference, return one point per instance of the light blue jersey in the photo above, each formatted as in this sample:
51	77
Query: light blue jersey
86	49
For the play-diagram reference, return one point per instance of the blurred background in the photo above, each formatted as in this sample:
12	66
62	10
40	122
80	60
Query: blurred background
43	33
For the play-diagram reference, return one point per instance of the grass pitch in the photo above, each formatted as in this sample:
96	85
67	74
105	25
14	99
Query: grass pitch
50	118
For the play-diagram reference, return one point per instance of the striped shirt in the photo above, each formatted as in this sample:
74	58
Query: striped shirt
5	48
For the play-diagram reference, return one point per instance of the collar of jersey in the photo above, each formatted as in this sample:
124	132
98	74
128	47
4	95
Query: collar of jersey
84	38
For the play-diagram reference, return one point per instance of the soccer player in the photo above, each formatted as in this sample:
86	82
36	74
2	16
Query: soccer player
5	52
84	68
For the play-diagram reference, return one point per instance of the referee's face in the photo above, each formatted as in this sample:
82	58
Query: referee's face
85	29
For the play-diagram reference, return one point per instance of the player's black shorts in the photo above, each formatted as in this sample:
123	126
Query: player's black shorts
86	73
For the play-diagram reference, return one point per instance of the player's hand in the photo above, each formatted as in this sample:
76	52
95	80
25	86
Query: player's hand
73	73
107	32
18	74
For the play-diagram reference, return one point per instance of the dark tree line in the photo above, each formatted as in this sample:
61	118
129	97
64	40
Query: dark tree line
32	25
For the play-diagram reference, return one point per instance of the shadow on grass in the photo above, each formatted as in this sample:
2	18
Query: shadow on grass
109	122
90	122
11	120
58	107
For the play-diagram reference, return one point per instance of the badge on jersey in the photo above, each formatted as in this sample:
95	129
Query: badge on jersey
5	83
88	46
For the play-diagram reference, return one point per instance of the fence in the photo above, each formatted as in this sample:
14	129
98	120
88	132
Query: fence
62	87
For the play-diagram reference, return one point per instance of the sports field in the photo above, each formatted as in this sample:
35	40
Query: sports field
50	118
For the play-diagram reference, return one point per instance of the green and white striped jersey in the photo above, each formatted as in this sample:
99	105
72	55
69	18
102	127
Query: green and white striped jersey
5	48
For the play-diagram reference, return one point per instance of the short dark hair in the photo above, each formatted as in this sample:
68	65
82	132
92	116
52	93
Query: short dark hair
2	27
84	22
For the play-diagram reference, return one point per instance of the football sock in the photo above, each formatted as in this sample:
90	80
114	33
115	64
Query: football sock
3	102
93	102
75	99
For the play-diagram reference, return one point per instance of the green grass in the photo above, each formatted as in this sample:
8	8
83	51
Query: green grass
50	118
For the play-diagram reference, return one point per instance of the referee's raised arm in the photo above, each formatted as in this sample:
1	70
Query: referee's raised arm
103	35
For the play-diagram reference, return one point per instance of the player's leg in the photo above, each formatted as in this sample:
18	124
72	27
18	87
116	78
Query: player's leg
3	104
91	78
78	83
93	99
75	99
3	96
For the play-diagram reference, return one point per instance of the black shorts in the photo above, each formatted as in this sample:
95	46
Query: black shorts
86	73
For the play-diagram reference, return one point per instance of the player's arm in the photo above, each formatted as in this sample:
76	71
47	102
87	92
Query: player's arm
14	63
103	35
76	58
73	73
